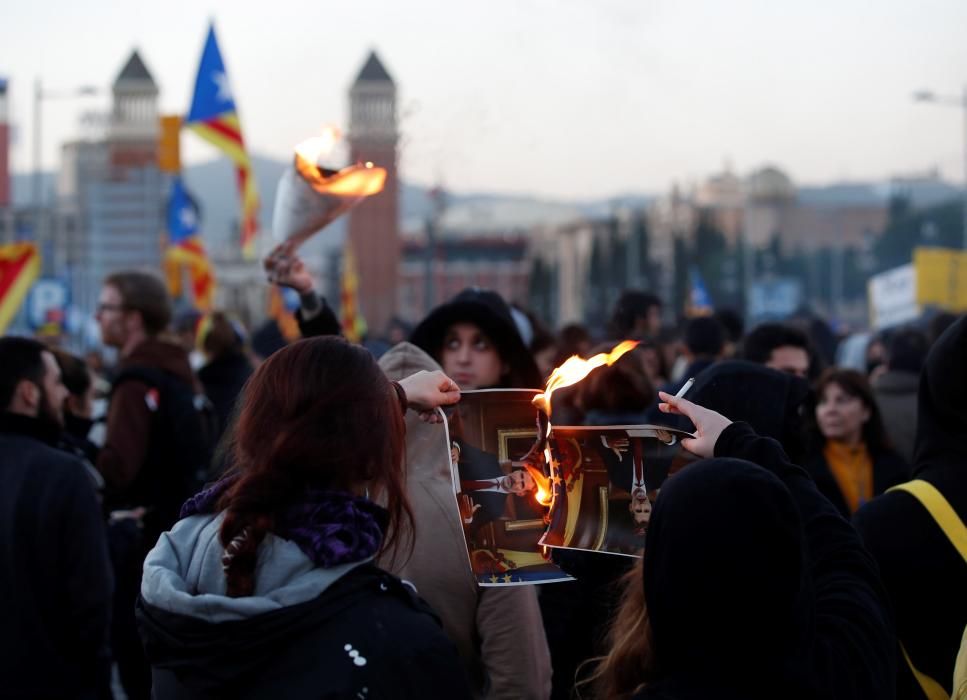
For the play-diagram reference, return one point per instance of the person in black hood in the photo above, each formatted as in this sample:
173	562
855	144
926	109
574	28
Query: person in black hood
922	570
770	400
78	410
266	587
752	585
227	368
475	340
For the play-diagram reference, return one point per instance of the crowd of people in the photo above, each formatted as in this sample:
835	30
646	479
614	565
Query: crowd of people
250	518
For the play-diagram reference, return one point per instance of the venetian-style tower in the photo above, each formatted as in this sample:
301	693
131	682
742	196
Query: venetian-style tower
374	224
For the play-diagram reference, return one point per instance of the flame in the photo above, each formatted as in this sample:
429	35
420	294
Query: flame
544	494
358	180
315	149
575	369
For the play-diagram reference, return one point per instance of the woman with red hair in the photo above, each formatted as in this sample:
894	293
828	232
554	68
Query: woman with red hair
266	586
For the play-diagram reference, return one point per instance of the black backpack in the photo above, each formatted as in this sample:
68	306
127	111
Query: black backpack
181	444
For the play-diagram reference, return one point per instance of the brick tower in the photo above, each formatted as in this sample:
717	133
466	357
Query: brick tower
374	224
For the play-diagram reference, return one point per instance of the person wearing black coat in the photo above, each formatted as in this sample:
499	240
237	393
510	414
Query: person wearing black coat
55	579
753	585
227	368
925	575
848	453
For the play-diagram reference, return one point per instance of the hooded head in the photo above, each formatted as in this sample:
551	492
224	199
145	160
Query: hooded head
942	413
767	399
487	311
724	577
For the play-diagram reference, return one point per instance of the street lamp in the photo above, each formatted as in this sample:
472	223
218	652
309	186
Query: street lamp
960	103
39	96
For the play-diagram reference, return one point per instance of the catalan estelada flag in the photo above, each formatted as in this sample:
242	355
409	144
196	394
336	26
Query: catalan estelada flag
353	323
699	302
19	267
214	117
282	309
185	249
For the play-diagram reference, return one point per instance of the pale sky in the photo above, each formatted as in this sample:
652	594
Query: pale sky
561	98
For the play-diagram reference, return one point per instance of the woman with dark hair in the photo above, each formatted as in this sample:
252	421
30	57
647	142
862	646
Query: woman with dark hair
850	457
751	587
266	587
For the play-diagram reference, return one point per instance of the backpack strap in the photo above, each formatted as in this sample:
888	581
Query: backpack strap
953	527
148	375
940	510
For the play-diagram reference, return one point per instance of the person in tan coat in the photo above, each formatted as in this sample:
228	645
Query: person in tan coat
497	631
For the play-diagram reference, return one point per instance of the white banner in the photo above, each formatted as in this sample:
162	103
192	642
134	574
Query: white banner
893	297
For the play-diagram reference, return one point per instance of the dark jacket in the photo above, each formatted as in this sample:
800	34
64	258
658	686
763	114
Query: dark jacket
352	631
924	574
322	323
55	580
896	395
888	470
757	588
129	417
223	379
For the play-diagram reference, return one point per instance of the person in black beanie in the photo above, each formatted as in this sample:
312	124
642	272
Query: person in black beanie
752	585
923	571
476	342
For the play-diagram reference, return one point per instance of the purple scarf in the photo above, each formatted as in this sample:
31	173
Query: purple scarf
330	527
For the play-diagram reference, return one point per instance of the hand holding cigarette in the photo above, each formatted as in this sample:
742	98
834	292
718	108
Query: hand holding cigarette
708	424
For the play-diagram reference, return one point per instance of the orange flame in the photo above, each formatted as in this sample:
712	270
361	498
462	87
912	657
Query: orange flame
358	180
315	149
544	494
577	368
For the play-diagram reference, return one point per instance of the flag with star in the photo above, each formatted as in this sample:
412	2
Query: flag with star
19	267
214	117
185	249
699	302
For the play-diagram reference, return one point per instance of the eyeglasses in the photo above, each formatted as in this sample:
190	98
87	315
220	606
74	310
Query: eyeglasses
101	308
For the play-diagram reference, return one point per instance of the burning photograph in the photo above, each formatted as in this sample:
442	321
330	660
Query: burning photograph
606	481
502	491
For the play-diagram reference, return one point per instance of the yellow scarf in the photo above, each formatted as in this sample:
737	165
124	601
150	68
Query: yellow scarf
852	468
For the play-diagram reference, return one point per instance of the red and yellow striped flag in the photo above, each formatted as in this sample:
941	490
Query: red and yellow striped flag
214	117
19	267
353	323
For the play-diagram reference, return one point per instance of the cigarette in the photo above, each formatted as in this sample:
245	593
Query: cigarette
685	388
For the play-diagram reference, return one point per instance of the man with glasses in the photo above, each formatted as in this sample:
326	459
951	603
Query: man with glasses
146	453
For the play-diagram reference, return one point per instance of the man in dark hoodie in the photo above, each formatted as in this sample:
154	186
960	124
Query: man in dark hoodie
755	586
924	573
55	580
142	462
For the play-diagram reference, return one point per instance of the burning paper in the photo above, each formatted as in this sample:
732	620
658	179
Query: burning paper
310	197
498	492
607	479
603	480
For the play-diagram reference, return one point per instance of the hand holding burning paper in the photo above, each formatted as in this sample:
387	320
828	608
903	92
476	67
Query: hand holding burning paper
310	196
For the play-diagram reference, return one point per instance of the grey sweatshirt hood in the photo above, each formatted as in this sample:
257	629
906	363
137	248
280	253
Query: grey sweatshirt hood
183	574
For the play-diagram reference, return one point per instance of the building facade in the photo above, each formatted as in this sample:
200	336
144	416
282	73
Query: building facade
110	194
